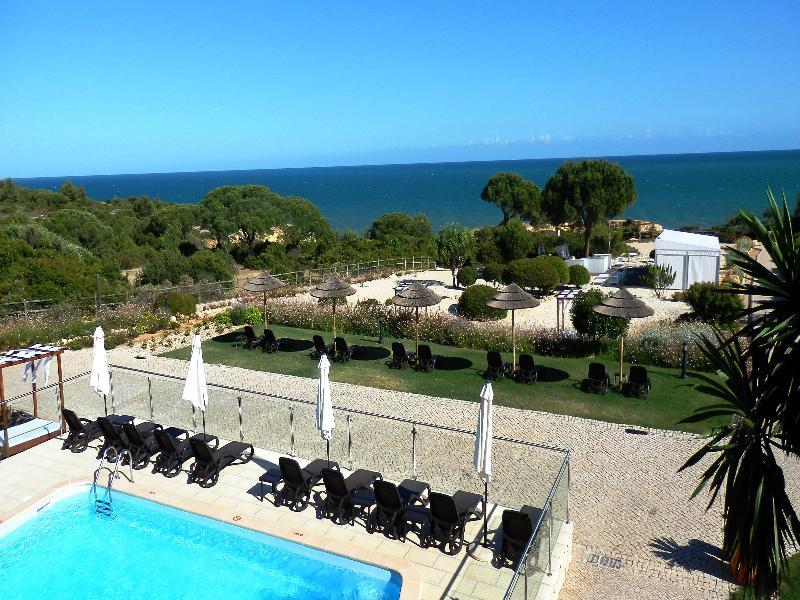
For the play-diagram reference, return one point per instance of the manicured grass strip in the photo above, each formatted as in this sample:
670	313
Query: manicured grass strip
459	374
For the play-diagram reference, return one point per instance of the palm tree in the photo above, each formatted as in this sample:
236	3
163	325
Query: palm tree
760	391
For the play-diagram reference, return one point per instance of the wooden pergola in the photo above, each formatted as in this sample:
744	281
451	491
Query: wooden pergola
29	437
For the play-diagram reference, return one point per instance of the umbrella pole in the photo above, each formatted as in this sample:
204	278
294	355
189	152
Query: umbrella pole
334	317
264	313
204	422
105	404
513	345
485	511
328	452
416	309
621	352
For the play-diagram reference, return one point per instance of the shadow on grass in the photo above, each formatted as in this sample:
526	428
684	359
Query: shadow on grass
293	345
452	363
228	338
551	375
370	353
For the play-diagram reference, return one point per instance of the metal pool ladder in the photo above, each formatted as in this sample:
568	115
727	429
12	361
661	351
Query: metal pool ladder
102	505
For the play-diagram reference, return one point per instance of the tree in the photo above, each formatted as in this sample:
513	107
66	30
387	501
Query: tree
466	276
532	273
513	240
243	210
658	278
456	244
587	192
515	196
401	234
760	387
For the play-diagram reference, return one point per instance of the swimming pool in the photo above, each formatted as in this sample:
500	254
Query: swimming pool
147	550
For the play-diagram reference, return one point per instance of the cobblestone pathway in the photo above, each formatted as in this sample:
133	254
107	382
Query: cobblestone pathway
636	533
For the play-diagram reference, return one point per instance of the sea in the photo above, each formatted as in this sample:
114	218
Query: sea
674	190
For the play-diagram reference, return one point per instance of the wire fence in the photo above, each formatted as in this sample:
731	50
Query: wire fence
218	290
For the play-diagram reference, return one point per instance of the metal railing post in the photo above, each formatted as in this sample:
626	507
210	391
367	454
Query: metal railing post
550	542
291	430
111	391
413	450
150	396
241	424
350	441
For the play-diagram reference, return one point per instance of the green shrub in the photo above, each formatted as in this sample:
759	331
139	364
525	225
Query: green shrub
176	303
591	324
493	272
224	318
579	275
532	273
472	304
559	265
246	315
712	304
467	275
658	278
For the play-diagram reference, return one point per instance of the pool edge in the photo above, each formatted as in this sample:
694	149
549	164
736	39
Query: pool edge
411	578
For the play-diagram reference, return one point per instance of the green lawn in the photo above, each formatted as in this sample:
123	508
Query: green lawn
459	375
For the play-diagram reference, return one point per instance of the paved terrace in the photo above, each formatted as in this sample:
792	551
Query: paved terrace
636	533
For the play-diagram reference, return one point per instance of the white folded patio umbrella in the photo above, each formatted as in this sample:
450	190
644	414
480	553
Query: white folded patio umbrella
324	417
195	390
100	378
482	458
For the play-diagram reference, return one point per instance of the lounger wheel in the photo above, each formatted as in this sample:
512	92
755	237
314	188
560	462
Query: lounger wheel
301	504
455	546
371	526
278	500
210	481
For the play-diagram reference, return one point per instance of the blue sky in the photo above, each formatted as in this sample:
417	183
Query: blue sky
109	87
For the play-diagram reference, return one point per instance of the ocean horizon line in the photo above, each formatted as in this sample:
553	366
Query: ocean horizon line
414	164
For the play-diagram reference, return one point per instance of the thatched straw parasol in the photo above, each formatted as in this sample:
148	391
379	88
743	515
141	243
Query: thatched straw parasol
512	297
333	288
263	283
623	304
416	296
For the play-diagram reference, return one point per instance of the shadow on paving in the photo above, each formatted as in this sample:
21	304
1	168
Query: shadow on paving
696	555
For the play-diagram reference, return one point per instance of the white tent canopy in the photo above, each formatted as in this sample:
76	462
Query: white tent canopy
693	257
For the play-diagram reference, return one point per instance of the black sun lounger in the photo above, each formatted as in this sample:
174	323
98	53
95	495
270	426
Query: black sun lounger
269	343
208	463
598	378
400	358
297	482
638	383
140	442
174	451
526	371
339	494
342	352
449	516
81	432
391	505
426	361
495	369
517	530
115	440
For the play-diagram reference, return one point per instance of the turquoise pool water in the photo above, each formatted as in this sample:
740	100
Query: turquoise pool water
146	550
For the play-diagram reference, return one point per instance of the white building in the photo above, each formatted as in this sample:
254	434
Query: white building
693	257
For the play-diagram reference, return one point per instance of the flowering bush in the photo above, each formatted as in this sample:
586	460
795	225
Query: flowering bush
661	344
74	328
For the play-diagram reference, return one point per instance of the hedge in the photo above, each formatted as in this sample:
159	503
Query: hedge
472	304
